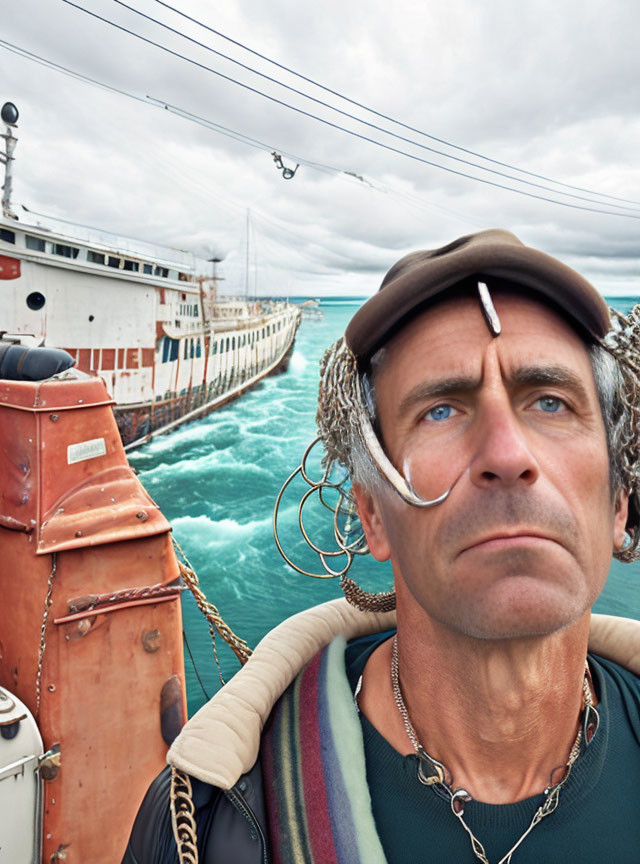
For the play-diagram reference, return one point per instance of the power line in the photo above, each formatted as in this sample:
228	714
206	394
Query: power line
194	118
386	116
337	126
28	55
174	109
374	126
205	123
234	135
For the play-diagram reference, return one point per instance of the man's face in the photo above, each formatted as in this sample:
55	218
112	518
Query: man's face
523	543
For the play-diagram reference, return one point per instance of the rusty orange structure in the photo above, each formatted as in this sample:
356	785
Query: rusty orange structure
90	618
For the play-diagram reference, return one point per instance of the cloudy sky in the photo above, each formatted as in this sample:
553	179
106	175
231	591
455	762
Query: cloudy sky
544	87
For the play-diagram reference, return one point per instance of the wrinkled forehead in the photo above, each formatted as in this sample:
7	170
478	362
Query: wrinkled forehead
453	329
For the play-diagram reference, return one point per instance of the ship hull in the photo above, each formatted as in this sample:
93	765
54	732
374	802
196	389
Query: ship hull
138	424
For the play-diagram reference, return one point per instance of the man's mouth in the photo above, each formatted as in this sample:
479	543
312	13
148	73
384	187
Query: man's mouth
509	540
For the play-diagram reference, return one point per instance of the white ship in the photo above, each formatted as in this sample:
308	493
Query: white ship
144	320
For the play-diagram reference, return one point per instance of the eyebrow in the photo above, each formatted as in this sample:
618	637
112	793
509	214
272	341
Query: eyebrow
531	376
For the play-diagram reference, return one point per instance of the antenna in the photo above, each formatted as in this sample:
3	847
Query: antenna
9	114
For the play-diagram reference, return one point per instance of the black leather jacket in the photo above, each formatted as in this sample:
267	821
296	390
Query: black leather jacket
231	824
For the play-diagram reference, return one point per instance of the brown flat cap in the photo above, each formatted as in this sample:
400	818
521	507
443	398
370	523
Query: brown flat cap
421	276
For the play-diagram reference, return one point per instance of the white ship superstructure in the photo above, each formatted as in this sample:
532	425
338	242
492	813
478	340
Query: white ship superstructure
142	319
148	326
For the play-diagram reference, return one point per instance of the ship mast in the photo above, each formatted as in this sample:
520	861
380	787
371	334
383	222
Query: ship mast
9	114
246	264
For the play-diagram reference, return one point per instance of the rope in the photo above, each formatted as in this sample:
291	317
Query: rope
216	623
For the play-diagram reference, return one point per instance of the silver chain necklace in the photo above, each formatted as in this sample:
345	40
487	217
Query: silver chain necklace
434	774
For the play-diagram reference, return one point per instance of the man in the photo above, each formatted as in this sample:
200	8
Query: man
492	444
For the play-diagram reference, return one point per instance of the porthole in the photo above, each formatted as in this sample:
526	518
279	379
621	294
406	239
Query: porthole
90	317
35	300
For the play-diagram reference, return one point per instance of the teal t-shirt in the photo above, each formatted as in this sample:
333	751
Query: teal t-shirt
597	819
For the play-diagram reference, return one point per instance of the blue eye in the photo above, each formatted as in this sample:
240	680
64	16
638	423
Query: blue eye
550	404
440	412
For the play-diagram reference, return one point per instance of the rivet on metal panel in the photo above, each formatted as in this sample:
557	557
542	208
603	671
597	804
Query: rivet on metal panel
60	854
151	641
78	629
142	516
51	688
49	765
53	417
78	533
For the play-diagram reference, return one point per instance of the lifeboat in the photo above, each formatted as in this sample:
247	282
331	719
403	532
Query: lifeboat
92	688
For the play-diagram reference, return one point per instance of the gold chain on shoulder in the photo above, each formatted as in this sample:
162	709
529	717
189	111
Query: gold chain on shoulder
183	820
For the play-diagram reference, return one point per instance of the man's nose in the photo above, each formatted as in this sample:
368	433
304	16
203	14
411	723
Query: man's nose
502	454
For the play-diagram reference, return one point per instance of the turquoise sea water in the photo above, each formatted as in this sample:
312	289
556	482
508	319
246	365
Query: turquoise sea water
217	479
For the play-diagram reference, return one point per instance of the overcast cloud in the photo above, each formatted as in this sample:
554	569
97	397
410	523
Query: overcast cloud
553	88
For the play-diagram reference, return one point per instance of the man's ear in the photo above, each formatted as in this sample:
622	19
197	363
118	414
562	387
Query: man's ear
372	522
620	520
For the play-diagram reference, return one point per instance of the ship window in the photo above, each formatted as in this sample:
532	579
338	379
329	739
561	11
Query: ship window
268	329
170	349
214	347
7	236
263	332
147	268
95	257
65	251
113	262
131	265
161	271
35	300
244	339
191	353
227	343
198	348
233	343
36	243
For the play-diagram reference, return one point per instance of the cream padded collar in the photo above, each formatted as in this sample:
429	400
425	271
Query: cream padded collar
221	741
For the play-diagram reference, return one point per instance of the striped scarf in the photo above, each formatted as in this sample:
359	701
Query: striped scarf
314	771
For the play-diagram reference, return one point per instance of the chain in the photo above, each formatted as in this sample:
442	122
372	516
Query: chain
433	773
92	601
210	612
43	630
183	820
367	601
